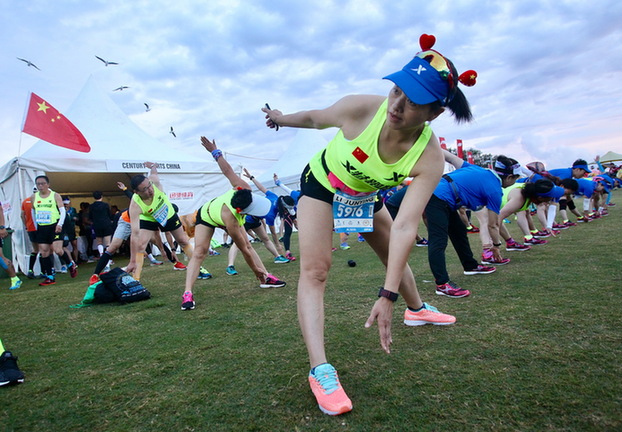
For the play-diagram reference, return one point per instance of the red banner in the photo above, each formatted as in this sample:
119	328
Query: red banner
443	143
460	151
470	157
45	122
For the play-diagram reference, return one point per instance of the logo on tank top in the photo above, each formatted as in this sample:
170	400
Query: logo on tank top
360	155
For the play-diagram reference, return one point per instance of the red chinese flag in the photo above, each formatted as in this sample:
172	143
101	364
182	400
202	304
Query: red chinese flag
470	157
45	122
460	152
360	155
443	143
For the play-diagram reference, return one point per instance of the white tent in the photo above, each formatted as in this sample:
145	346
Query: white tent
611	156
118	149
290	165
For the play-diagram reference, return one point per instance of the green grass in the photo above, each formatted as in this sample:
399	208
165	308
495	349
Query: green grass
536	347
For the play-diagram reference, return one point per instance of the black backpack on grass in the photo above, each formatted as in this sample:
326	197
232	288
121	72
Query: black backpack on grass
120	286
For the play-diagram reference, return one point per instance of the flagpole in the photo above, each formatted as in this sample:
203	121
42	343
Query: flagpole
19	145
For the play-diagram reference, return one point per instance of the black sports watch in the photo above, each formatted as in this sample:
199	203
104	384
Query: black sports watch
393	296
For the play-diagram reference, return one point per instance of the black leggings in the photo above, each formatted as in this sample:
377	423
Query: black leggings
444	223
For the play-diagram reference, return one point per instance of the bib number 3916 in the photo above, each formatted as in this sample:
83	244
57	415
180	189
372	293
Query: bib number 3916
353	214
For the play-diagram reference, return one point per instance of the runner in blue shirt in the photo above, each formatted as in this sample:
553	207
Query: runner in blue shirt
472	187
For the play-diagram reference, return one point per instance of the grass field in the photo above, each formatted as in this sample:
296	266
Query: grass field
536	347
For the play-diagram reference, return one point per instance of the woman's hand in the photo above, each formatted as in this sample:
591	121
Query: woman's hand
383	312
246	173
272	116
210	146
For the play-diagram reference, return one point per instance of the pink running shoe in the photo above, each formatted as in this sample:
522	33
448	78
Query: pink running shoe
514	246
272	282
187	302
542	234
480	269
535	241
450	289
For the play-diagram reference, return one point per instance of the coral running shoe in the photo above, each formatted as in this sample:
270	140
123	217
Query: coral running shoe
290	257
427	315
93	279
535	241
450	289
187	302
272	282
480	269
179	266
330	396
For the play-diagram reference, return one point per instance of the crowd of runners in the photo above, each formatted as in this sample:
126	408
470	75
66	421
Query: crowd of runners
382	144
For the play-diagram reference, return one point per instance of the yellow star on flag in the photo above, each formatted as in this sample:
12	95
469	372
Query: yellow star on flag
43	107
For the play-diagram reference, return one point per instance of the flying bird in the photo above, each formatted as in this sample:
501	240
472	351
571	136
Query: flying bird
106	62
147	109
172	132
28	62
120	88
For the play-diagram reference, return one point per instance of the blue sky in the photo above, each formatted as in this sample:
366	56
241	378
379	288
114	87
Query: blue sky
548	86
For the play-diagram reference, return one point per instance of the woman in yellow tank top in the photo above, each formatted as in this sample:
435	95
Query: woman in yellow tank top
380	142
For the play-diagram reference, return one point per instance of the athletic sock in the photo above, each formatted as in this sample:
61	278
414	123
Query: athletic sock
66	259
101	263
33	260
140	259
415	310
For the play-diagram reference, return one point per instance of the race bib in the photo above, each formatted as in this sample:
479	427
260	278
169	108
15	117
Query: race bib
43	217
353	214
161	214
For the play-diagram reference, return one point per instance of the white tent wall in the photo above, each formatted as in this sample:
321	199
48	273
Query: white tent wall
118	150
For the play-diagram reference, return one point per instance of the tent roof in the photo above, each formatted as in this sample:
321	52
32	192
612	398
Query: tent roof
611	156
117	144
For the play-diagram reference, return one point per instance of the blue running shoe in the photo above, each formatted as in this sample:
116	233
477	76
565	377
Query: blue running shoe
231	271
281	260
204	274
